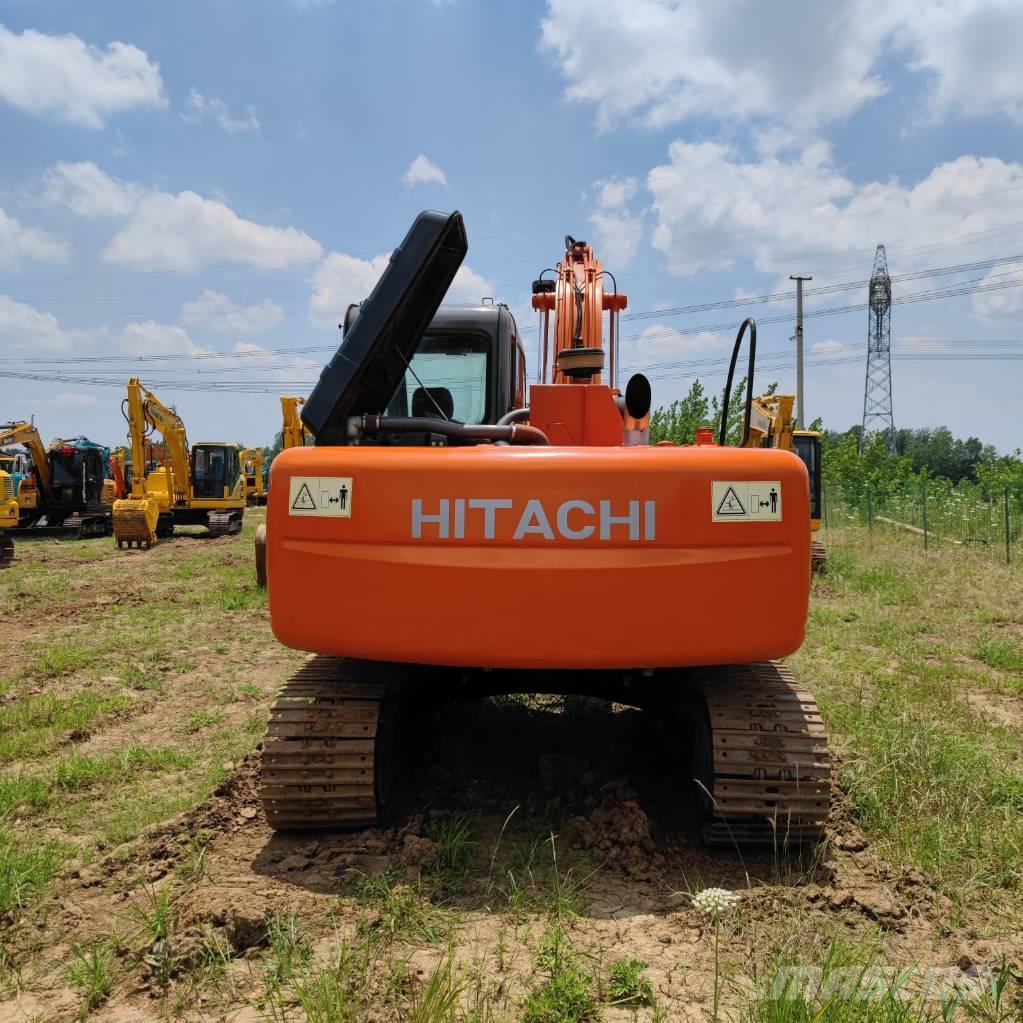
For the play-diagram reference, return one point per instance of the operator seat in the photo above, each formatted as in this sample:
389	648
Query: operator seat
442	399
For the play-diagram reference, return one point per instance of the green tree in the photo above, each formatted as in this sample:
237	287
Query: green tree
679	421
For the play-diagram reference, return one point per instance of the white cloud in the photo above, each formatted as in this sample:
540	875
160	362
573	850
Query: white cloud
619	231
342	279
422	171
714	211
164	231
200	109
666	60
658	344
19	243
614	193
186	231
23	327
215	310
76	82
71	399
830	347
88	191
151	338
999	304
971	50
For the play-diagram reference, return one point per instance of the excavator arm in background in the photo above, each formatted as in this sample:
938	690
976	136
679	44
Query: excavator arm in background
773	425
252	471
294	432
27	435
137	516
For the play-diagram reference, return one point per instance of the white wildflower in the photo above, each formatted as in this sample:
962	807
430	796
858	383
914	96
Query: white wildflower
715	901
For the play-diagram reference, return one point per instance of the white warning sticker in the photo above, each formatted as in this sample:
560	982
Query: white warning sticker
745	501
329	496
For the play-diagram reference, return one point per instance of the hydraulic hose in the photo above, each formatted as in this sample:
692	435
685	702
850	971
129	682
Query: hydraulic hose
512	434
516	415
726	400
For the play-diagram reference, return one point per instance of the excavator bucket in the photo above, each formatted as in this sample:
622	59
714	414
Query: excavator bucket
135	521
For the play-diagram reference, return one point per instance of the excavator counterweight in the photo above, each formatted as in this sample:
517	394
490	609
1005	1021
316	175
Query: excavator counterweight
444	537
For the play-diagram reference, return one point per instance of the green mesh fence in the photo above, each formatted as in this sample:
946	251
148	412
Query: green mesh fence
936	514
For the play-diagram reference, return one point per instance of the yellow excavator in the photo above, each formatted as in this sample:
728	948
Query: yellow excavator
294	434
201	485
252	470
8	517
773	425
68	492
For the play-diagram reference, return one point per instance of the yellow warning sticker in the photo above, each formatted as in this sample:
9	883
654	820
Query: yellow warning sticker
327	496
745	501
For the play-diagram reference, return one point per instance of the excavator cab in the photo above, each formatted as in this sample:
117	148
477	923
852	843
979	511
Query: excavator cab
469	367
215	470
79	475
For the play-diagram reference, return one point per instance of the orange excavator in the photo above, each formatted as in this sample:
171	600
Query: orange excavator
442	539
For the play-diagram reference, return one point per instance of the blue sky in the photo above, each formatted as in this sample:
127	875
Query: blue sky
187	180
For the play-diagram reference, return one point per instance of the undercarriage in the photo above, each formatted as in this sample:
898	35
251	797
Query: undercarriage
753	741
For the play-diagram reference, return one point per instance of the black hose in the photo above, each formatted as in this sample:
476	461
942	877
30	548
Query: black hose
726	400
516	415
446	428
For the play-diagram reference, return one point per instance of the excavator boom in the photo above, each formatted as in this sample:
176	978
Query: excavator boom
27	435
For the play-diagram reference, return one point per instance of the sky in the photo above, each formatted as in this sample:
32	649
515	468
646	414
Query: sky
194	192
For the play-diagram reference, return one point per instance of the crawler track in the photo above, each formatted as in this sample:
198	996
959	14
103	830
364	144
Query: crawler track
6	551
327	754
762	758
225	523
770	769
818	557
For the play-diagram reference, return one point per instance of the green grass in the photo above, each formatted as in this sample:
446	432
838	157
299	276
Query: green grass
91	972
200	719
627	986
28	727
563	989
78	773
1003	654
403	913
239	598
62	656
887	657
532	880
26	868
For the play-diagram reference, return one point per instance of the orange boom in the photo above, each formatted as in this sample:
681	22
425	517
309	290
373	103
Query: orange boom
439	524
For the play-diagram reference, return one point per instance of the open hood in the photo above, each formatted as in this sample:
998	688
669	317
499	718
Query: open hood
374	355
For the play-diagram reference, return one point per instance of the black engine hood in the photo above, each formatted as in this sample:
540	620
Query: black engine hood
364	374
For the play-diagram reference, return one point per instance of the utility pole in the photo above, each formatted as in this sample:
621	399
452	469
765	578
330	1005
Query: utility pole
800	411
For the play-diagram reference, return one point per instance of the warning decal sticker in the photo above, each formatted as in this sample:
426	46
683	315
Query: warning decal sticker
327	496
746	501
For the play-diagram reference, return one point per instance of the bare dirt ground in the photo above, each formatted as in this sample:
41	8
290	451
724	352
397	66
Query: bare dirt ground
139	683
